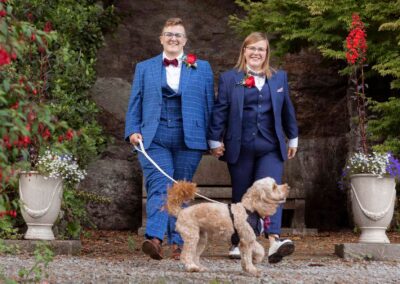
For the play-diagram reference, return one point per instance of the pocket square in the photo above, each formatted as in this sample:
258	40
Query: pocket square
280	90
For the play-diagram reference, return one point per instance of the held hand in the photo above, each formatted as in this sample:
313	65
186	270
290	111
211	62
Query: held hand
134	138
218	152
291	152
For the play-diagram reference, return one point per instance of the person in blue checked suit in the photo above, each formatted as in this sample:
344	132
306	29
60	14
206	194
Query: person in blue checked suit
171	101
252	118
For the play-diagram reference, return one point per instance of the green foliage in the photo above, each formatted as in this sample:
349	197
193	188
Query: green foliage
8	249
43	256
44	98
323	25
131	244
7	230
384	128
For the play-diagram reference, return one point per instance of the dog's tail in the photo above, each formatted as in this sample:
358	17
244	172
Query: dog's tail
180	192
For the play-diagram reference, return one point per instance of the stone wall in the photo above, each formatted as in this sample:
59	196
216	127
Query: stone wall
318	93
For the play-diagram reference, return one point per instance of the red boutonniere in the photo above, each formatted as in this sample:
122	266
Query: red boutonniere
190	60
248	81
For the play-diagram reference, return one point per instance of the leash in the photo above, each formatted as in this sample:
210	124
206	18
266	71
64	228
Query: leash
143	151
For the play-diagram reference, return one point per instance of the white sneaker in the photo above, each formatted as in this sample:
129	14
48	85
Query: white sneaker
279	249
234	252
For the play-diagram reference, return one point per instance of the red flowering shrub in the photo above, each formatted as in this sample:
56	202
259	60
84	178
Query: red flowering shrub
356	55
356	42
26	120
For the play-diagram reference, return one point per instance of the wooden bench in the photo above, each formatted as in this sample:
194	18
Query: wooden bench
212	178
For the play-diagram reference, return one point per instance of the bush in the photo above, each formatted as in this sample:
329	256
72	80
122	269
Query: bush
47	57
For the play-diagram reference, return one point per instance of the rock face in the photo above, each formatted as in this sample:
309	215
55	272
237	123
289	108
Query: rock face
318	93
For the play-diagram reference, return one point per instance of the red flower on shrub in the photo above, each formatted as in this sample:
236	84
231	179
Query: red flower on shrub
4	57
60	138
15	106
3	13
356	43
356	55
48	27
25	141
11	213
46	134
69	135
31	116
6	141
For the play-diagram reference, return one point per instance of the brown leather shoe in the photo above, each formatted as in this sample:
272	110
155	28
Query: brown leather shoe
176	252
152	248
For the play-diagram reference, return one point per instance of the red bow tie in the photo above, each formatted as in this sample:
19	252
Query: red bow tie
168	62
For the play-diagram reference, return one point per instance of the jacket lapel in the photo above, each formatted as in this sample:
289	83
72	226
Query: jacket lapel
185	77
272	84
156	69
239	92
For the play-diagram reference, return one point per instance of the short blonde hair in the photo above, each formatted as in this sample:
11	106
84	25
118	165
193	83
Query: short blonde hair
250	39
173	22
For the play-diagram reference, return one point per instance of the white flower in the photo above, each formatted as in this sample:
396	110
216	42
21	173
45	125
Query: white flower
374	163
64	166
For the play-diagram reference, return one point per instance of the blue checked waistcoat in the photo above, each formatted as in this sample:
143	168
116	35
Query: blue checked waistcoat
196	87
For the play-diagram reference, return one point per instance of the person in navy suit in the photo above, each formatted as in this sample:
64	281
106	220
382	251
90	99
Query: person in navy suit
252	118
169	108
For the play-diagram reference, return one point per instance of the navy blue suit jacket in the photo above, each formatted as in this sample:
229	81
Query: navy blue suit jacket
144	110
226	119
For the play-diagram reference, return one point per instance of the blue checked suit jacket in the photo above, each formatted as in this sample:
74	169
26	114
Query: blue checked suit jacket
144	109
226	120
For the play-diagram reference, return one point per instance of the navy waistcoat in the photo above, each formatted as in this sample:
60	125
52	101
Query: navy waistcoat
258	115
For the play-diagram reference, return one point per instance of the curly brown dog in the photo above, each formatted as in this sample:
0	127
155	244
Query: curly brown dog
196	222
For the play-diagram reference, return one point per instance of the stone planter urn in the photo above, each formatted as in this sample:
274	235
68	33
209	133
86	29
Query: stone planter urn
41	198
372	198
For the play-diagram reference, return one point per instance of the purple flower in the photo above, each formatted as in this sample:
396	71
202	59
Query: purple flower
393	167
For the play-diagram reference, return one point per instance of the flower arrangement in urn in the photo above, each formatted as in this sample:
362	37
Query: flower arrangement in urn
379	164
363	162
371	175
54	165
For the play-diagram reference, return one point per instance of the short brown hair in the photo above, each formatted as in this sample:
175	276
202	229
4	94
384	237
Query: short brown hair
250	39
173	22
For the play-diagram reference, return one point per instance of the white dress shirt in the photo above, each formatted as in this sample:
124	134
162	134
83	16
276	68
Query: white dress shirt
173	73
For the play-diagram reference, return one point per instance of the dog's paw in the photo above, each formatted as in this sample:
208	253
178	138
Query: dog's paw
202	268
192	268
253	271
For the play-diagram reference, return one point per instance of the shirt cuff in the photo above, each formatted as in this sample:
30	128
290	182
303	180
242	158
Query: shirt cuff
293	143
214	144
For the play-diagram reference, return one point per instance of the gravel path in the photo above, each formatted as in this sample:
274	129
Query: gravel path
142	270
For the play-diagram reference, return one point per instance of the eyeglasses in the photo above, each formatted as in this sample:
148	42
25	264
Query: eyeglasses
171	35
254	49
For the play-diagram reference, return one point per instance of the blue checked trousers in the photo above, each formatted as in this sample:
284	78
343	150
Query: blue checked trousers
169	151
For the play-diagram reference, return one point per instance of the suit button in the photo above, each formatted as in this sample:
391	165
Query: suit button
259	105
254	133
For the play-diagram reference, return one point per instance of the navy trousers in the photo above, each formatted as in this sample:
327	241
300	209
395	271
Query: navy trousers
169	151
258	159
